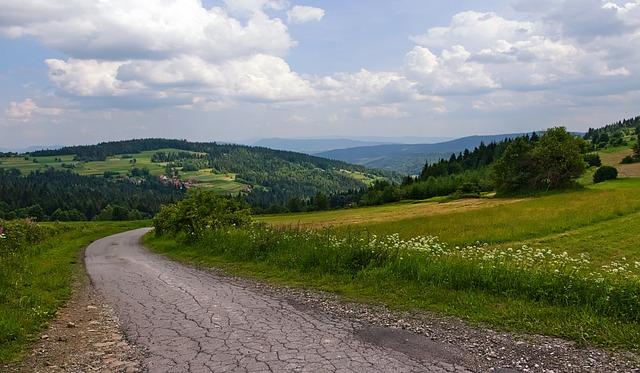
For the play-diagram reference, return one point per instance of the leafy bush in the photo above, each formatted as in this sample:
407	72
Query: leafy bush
605	173
628	159
593	160
200	211
16	235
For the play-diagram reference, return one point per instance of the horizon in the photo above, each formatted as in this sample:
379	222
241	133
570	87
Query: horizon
235	70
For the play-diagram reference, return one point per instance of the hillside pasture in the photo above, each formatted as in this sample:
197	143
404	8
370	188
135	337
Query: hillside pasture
570	221
614	158
122	164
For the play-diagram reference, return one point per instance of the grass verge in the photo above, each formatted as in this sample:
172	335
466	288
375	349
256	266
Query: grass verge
36	278
553	295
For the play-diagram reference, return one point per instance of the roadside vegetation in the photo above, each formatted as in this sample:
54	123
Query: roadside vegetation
523	288
38	263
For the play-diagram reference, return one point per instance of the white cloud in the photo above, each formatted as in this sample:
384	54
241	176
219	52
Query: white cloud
383	111
451	72
304	14
25	110
143	29
486	51
21	111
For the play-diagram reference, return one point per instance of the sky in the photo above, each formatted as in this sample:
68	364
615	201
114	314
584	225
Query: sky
84	71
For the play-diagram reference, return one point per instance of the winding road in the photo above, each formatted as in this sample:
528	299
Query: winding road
189	320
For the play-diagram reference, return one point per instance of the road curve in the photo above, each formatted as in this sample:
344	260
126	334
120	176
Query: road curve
190	320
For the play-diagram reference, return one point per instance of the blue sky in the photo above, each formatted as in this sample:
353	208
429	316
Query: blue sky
82	71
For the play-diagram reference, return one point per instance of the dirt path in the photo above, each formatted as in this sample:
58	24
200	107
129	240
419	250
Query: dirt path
194	321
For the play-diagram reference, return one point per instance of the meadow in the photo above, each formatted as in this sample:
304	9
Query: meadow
564	264
121	164
38	263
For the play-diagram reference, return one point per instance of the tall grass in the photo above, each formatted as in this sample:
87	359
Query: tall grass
421	270
533	274
37	265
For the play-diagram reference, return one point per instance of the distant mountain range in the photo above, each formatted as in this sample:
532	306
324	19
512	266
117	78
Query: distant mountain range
30	149
322	144
311	146
408	158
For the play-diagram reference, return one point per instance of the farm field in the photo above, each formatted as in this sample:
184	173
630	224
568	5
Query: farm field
121	164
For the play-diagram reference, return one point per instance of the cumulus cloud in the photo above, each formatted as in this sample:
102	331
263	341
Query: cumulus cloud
21	111
179	53
303	14
151	29
451	72
25	110
486	51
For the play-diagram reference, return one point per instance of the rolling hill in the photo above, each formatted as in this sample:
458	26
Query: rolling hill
408	158
312	146
265	175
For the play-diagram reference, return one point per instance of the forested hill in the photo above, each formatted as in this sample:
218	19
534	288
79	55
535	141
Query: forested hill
273	177
101	151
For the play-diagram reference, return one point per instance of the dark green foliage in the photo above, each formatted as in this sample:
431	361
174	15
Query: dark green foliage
199	212
593	160
275	176
628	159
479	157
516	168
612	134
558	156
605	173
64	195
551	163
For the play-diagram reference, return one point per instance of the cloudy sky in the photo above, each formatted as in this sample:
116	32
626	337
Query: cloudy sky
81	71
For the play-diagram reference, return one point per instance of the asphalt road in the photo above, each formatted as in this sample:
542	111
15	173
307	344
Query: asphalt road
188	320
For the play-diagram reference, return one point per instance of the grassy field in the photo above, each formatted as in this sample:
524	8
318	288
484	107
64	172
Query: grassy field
538	289
494	221
35	280
223	183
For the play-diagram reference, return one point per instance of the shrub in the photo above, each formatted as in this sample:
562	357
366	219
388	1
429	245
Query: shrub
605	173
200	211
628	159
593	160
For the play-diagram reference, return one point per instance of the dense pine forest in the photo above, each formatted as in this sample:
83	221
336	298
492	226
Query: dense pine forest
64	195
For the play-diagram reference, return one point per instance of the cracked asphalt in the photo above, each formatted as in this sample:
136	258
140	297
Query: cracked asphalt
189	320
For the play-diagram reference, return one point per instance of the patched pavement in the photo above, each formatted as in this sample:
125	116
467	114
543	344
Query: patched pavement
188	320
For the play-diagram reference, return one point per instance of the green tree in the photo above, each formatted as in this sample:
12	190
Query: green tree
636	149
558	159
516	169
201	210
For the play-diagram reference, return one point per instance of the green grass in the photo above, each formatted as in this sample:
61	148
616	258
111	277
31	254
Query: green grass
37	281
492	222
221	183
503	296
122	164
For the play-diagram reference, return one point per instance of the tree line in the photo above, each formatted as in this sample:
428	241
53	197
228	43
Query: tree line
64	195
